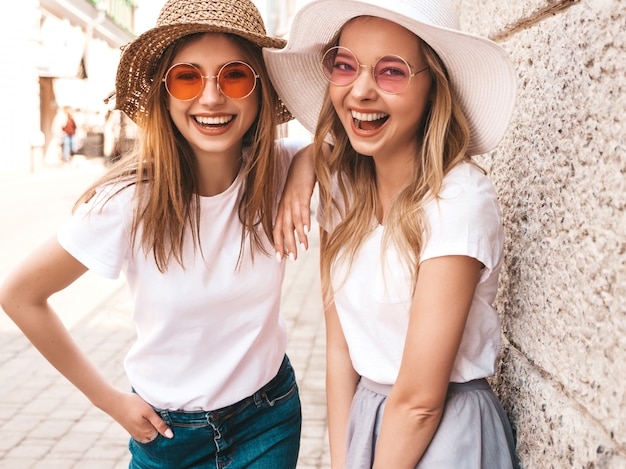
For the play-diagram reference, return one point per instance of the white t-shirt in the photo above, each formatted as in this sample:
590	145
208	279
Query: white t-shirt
373	301
208	335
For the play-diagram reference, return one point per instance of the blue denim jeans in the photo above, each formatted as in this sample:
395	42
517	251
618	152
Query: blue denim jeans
259	432
69	147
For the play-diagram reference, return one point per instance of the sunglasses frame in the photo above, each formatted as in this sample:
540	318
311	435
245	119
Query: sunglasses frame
373	67
210	77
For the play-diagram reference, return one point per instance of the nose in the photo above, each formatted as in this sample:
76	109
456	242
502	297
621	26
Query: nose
364	85
210	91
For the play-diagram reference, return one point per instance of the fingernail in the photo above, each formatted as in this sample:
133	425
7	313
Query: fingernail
279	257
303	246
305	229
169	434
291	256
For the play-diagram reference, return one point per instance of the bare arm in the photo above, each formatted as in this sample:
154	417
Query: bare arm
341	382
24	297
294	208
443	295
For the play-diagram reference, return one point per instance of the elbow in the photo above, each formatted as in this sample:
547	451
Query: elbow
4	302
418	413
7	302
12	299
424	415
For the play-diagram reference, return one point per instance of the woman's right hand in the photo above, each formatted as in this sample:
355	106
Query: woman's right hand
137	417
294	209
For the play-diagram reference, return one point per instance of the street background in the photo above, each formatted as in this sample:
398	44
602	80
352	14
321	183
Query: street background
45	423
560	175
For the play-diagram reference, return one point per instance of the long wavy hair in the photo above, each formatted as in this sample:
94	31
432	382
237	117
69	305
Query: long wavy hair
163	167
444	137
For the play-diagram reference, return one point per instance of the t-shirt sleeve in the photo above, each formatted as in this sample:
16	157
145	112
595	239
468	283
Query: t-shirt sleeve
465	220
97	234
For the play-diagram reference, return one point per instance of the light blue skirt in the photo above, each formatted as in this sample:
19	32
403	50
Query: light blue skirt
474	432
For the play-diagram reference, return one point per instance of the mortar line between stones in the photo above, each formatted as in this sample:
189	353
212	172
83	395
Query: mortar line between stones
533	19
513	348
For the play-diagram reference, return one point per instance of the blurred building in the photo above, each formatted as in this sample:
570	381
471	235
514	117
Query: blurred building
57	53
278	14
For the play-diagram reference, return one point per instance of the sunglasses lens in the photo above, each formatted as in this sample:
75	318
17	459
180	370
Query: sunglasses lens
340	66
237	80
183	82
392	74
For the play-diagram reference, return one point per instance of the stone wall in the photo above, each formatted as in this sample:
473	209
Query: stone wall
561	178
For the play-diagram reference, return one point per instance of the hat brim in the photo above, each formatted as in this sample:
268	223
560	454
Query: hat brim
482	76
135	73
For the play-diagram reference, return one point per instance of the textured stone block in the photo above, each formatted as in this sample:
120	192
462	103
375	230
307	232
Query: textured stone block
560	174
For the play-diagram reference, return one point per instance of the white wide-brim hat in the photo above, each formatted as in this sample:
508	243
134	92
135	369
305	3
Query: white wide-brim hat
482	75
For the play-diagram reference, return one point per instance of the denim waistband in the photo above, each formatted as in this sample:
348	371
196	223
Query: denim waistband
385	389
203	416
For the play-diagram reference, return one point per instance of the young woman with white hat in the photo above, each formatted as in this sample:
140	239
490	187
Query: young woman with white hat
411	236
187	218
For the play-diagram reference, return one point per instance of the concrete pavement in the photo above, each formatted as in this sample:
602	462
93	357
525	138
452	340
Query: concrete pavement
44	422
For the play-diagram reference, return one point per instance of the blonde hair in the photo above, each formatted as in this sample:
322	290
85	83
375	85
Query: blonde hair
164	170
444	137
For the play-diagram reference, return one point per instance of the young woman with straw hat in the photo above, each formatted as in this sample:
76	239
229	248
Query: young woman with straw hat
188	219
411	237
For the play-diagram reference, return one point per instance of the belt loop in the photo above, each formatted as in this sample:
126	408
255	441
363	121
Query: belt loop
258	398
165	415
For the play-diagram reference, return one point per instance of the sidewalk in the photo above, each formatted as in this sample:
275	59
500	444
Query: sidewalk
46	424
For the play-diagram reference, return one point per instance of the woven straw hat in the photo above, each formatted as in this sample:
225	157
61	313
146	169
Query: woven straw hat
179	18
481	74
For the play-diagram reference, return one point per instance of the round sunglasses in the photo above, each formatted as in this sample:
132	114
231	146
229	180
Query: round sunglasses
391	73
236	79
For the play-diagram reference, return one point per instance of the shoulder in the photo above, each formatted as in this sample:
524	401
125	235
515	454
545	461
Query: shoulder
114	198
466	190
287	147
464	219
470	177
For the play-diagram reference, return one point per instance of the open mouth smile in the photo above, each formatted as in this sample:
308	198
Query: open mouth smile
219	121
369	121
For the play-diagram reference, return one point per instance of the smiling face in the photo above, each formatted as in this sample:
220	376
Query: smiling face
213	123
380	124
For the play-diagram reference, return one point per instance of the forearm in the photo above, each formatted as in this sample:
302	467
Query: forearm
47	333
293	213
441	302
341	382
405	434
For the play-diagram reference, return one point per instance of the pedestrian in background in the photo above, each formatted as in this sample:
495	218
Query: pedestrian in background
411	236
69	135
187	218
